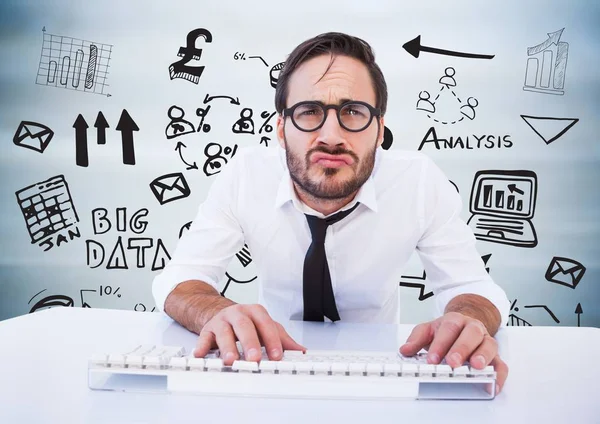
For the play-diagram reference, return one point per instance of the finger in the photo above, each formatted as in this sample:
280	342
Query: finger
267	332
206	342
501	369
462	346
420	337
225	338
446	334
287	342
244	329
485	353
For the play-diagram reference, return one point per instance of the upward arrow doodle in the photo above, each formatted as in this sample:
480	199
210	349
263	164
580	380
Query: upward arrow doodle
415	48
127	126
578	311
101	125
81	147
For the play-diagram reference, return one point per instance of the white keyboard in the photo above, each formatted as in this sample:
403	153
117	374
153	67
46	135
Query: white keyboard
319	374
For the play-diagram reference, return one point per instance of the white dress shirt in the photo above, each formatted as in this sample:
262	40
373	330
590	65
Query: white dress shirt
406	204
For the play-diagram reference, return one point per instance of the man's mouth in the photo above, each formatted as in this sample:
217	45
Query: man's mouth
334	161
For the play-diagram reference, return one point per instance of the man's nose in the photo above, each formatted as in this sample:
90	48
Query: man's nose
331	132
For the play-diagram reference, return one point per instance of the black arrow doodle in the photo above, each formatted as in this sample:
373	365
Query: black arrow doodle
84	304
579	311
127	126
513	189
233	101
415	48
101	125
81	147
178	148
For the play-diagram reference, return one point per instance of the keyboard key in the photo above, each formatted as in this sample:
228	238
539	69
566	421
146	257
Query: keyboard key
116	360
410	370
214	364
392	369
285	367
487	371
443	370
461	371
374	369
134	361
244	366
426	370
339	368
196	364
321	368
303	367
357	368
178	363
267	366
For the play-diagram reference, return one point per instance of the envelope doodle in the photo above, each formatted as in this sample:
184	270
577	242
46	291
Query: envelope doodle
170	187
32	135
565	271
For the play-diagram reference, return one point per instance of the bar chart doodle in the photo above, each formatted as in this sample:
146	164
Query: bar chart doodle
547	65
74	64
502	206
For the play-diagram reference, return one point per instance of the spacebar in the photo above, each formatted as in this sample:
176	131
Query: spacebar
293	385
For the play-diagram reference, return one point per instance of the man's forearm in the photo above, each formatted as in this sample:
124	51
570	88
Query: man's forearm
478	307
193	303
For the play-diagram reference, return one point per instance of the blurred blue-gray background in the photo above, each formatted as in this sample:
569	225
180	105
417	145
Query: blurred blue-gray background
532	108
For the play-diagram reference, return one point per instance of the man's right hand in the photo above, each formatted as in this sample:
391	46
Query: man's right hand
252	326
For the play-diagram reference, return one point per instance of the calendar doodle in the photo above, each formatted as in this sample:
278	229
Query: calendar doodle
49	212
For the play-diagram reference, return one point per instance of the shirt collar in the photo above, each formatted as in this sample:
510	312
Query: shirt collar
286	193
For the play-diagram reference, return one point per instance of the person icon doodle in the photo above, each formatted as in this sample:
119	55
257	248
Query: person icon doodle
178	126
244	125
469	109
448	79
424	103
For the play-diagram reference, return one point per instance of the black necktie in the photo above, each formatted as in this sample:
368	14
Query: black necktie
317	290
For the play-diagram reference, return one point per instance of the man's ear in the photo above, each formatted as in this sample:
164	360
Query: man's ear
381	131
280	130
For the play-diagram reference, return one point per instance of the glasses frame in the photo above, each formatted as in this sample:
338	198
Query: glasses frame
375	112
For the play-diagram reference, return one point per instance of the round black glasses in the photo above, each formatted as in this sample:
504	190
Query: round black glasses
354	116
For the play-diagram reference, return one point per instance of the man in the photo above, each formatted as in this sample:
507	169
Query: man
331	98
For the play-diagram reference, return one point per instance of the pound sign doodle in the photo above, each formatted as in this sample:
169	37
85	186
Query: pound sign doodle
181	69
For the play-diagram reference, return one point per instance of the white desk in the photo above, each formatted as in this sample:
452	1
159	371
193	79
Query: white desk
43	368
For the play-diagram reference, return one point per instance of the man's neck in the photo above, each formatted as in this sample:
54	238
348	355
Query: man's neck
324	206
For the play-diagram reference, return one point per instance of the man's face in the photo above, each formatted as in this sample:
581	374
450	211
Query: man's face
331	162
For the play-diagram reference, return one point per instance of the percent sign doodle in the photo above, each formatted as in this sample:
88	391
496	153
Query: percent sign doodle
266	126
108	290
242	56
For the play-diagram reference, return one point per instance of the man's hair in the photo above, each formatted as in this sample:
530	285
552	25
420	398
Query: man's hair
334	43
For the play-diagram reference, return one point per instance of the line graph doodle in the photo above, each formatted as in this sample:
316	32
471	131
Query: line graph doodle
74	64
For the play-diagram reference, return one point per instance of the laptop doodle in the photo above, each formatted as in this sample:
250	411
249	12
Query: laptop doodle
502	206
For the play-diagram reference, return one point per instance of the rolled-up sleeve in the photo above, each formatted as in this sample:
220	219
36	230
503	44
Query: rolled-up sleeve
447	247
215	235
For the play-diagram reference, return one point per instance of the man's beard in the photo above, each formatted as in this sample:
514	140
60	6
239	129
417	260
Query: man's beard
328	189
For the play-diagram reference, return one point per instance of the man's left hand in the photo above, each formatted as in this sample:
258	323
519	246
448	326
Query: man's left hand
458	338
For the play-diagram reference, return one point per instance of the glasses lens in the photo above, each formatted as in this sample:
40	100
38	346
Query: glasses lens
355	116
308	116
